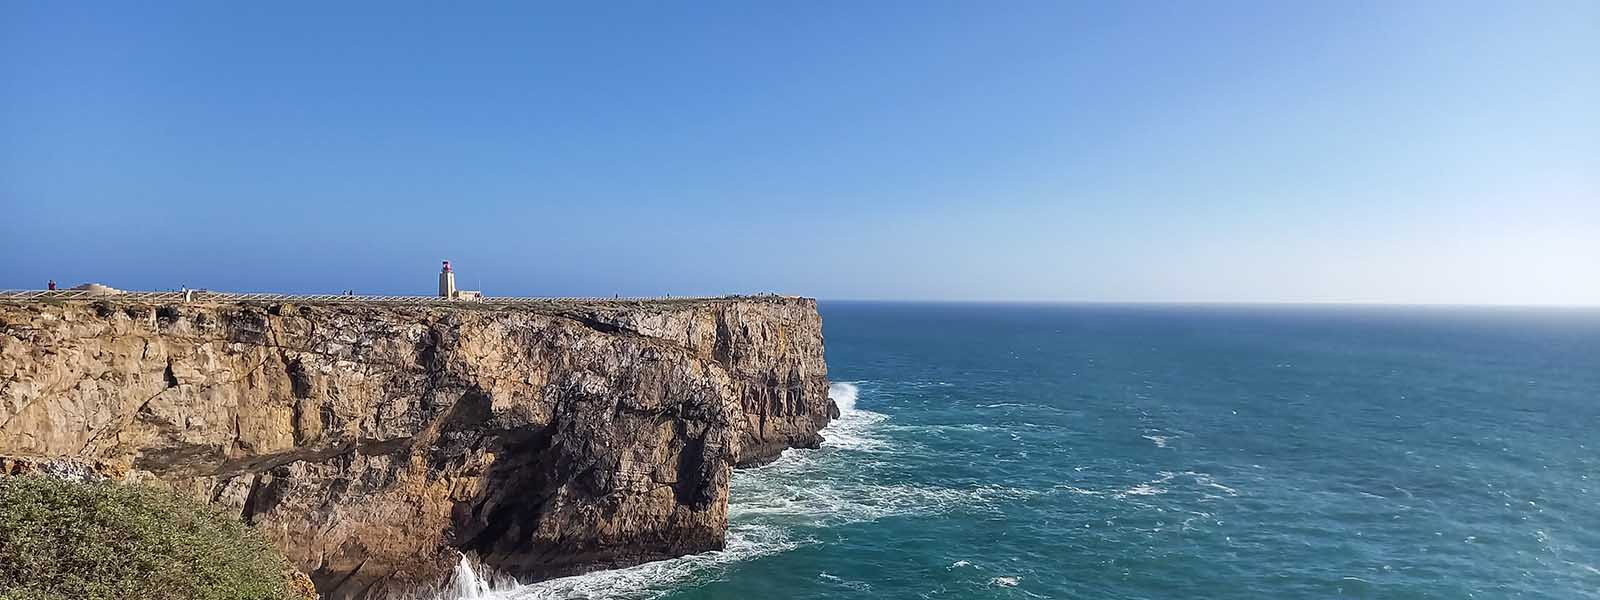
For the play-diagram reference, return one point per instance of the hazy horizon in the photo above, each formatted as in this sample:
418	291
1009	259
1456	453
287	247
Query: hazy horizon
1238	152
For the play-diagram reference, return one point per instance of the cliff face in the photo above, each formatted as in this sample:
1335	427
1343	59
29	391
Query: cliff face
372	440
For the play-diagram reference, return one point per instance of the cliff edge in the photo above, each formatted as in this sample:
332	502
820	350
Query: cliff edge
372	441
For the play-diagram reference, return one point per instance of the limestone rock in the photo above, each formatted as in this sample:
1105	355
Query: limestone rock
373	442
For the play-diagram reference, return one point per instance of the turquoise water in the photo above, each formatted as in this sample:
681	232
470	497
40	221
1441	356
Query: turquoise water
1075	451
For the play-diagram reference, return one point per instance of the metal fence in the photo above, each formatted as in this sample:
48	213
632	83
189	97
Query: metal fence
210	296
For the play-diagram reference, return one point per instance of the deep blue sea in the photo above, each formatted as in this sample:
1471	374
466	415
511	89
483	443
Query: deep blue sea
1105	452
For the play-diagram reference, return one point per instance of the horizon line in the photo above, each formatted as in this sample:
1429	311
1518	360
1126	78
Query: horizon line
1061	301
1326	303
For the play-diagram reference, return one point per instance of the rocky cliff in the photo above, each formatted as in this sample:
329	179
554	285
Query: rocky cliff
374	441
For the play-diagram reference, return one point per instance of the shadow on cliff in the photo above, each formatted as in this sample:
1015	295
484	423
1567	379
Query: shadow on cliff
555	501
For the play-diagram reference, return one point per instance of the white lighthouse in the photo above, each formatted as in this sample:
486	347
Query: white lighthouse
447	282
447	286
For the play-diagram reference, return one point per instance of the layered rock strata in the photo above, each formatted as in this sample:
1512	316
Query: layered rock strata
375	442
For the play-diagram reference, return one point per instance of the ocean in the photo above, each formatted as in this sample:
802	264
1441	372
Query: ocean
1151	451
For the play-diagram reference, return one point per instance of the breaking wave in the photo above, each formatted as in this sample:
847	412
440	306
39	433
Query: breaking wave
830	504
844	395
853	430
639	582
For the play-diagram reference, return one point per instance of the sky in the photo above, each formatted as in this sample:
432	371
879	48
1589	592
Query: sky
1144	151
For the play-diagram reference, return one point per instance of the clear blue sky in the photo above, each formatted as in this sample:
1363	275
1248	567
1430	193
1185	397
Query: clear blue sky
1119	151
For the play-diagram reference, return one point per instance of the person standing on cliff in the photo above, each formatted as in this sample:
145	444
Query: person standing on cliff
51	285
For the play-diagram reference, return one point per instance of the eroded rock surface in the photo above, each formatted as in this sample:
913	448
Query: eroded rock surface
373	441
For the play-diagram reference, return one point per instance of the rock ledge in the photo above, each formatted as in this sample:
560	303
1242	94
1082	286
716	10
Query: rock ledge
373	442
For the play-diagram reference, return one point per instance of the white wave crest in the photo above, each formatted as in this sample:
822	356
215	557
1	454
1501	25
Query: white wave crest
1143	489
834	503
472	581
852	430
843	394
838	486
640	582
1161	485
1005	581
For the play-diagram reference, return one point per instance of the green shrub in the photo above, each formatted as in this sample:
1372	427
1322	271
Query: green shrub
63	540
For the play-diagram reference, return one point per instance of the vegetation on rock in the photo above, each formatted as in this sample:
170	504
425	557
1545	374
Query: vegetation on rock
64	540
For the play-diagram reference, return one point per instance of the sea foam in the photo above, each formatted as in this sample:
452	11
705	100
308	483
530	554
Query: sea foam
852	430
844	395
639	582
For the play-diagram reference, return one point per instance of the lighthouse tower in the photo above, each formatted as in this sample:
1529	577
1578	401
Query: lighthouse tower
447	282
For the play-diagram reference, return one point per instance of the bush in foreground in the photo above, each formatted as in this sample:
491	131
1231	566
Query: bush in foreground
63	540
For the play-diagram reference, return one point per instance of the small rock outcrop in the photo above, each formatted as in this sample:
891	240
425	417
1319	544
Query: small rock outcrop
373	442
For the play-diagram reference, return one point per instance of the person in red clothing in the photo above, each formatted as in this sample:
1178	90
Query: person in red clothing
52	285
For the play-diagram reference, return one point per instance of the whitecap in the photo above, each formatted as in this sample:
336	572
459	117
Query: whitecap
1005	581
844	394
1143	489
1150	488
1205	479
1077	490
832	503
851	430
656	579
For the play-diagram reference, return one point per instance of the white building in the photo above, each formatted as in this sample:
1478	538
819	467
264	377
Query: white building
447	286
